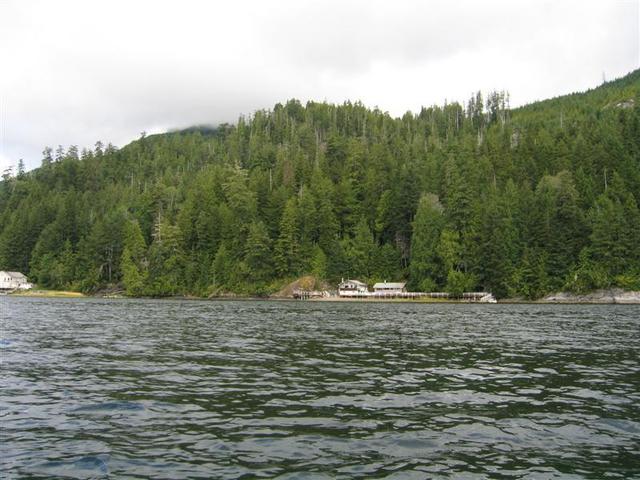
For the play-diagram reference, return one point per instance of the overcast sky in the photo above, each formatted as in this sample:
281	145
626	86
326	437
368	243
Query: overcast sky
74	72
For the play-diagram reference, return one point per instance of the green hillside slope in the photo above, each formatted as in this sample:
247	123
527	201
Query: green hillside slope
457	198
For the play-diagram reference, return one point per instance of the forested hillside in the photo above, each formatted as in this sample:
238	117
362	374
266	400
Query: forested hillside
459	197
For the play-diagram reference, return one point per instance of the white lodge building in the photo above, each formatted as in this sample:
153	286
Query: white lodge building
352	288
13	281
389	287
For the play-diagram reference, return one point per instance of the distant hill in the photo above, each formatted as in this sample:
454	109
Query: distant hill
520	202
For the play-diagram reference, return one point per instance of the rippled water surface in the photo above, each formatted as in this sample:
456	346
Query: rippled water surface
244	389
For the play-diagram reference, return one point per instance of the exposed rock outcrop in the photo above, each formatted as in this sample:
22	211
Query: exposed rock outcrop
306	283
614	295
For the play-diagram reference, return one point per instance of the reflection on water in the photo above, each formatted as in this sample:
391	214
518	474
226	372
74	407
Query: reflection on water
186	389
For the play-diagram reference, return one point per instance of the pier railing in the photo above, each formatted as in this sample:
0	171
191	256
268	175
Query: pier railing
306	294
466	296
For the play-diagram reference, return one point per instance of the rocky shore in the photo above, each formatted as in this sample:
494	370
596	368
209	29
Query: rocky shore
614	295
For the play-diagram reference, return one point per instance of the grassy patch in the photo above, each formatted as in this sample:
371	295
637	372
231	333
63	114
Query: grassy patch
48	294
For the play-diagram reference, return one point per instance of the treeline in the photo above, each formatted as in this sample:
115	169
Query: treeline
457	198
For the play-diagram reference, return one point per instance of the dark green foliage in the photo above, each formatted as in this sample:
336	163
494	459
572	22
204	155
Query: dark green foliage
362	252
494	245
287	255
222	270
459	282
520	202
134	264
258	254
427	228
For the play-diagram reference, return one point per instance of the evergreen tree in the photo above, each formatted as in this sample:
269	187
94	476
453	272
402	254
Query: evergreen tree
362	251
319	263
221	269
387	263
495	246
287	250
166	260
426	269
258	256
133	262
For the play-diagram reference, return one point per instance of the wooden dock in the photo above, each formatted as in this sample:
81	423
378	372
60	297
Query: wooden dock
468	296
471	297
307	294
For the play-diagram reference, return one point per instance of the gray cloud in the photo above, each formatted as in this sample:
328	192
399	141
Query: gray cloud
74	72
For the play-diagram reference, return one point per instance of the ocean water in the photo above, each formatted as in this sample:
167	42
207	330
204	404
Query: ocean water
93	388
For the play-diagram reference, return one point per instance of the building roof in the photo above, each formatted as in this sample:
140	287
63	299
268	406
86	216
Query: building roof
15	275
357	282
389	285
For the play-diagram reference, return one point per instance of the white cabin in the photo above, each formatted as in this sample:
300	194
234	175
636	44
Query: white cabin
389	287
352	288
14	281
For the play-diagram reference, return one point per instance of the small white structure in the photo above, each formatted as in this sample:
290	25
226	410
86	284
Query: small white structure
352	288
488	298
389	287
14	281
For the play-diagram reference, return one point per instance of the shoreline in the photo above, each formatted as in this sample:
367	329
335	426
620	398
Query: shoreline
39	293
600	297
